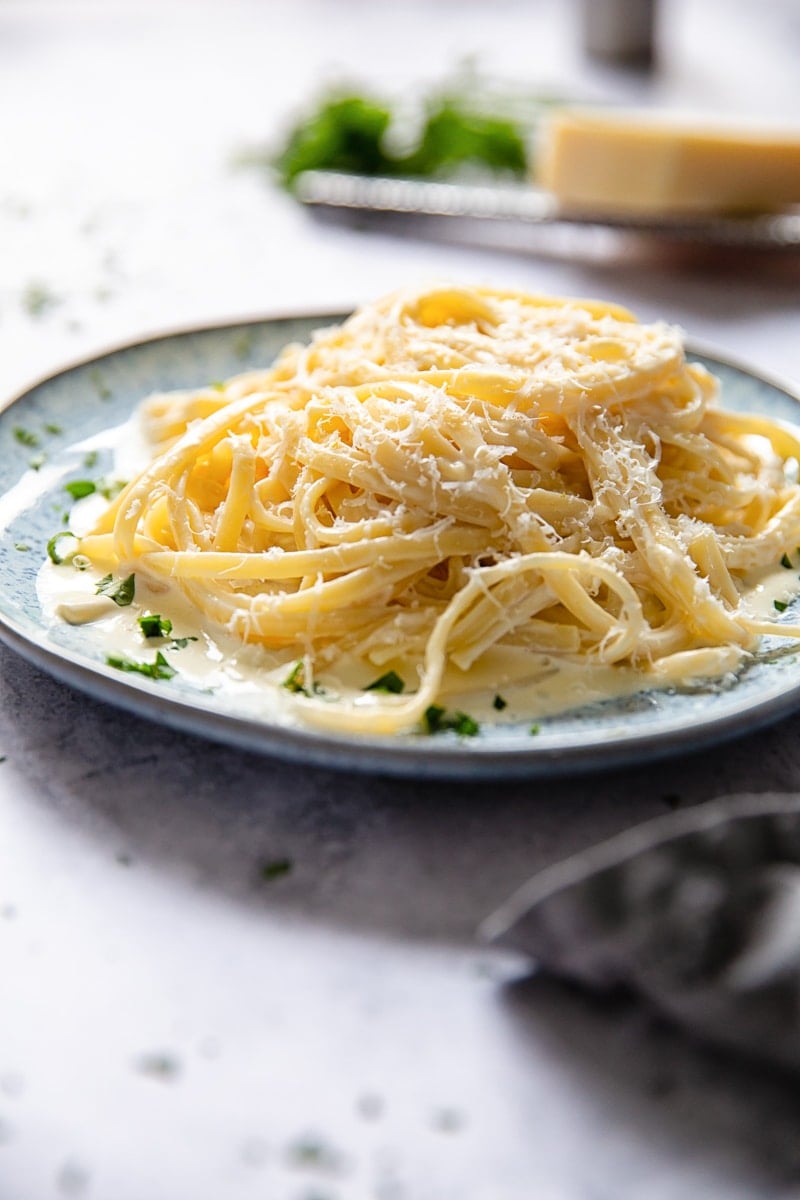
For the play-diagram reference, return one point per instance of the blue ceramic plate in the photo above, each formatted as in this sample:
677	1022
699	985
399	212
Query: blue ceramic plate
85	399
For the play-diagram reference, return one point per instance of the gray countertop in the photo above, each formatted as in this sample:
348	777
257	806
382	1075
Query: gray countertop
172	1023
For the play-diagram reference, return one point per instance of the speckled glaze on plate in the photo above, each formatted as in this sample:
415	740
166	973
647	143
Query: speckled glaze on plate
92	396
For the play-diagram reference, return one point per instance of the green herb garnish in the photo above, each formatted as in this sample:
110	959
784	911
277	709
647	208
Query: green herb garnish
25	437
217	385
99	384
437	720
54	554
352	133
37	299
50	427
21	546
390	682
181	643
499	702
534	729
153	625
110	488
786	562
37	461
158	669
277	868
90	459
121	593
78	488
295	681
780	605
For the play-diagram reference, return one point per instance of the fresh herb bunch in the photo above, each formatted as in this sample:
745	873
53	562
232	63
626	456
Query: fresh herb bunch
350	131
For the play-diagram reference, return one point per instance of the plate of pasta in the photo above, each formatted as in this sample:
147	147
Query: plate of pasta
459	532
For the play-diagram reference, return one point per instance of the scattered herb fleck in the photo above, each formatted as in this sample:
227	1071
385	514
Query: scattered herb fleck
153	625
158	669
448	1120
37	299
390	682
534	729
217	385
78	488
181	643
90	459
37	461
499	702
51	427
21	546
311	1151
438	720
25	437
295	681
159	1066
54	554
122	593
786	562
99	384
780	605
243	344
109	488
276	868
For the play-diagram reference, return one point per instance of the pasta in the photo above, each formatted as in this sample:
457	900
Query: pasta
464	487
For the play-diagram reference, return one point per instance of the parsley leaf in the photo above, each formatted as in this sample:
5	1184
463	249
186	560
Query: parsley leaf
295	681
276	868
153	625
780	605
53	552
158	669
78	488
25	437
121	593
786	562
499	702
390	682
180	643
437	720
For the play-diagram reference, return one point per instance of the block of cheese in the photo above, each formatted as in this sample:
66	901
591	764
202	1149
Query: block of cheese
634	163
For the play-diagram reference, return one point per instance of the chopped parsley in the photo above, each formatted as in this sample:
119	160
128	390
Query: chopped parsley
352	133
37	461
53	552
78	488
295	681
121	593
534	729
21	546
276	868
153	625
217	385
90	459
25	437
499	702
437	720
50	427
99	384
390	682
37	299
158	669
180	643
786	562
780	605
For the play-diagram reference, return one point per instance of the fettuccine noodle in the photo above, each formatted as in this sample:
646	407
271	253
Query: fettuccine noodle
461	480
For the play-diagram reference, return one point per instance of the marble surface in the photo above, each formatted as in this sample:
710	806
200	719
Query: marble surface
179	1017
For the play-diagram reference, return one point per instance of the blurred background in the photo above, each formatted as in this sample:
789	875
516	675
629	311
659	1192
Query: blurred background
128	196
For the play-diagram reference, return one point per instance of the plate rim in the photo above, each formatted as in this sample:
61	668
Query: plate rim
426	758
